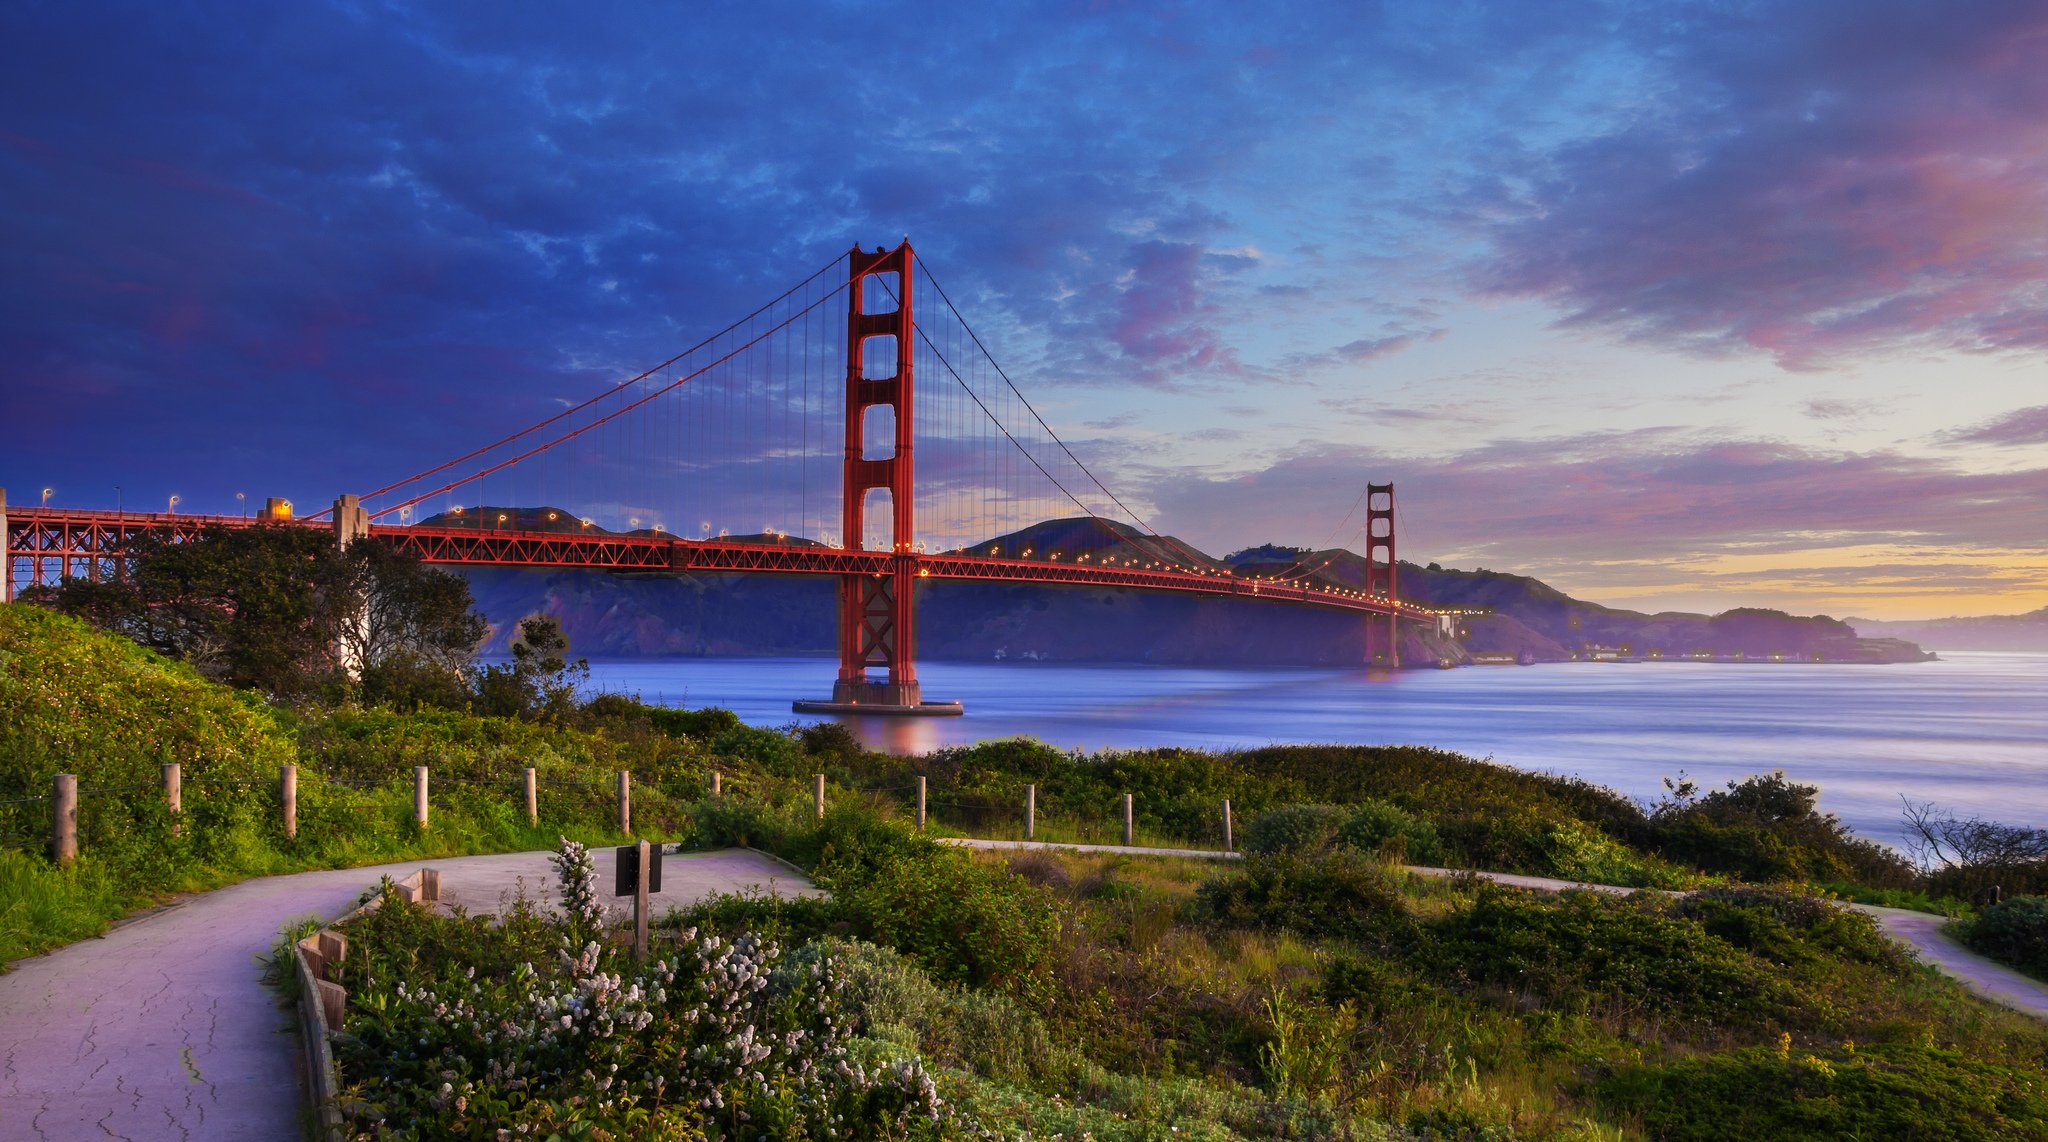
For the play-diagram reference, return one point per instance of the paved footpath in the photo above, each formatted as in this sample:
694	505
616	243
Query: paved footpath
163	1029
1920	931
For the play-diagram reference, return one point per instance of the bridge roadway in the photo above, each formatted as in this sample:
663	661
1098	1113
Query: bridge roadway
57	541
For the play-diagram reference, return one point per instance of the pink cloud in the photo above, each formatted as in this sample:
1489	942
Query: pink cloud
1812	199
2020	426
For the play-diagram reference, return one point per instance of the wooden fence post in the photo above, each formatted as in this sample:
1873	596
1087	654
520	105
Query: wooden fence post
821	796
1226	826
288	798
64	819
174	794
920	802
625	800
419	796
1127	820
532	783
1030	812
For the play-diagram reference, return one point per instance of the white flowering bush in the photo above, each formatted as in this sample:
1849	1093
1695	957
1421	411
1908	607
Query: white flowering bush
447	1036
577	873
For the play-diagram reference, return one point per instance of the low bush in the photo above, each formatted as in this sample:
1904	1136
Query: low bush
770	751
1337	893
961	920
1627	955
457	1028
1575	852
785	920
1295	829
889	997
1382	827
1767	829
1786	926
2014	931
1892	1092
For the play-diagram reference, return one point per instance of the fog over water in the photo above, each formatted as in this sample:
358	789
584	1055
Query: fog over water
1969	732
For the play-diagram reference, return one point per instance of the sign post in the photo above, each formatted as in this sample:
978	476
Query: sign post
639	876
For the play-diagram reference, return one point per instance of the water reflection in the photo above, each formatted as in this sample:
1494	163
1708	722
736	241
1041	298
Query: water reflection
1970	732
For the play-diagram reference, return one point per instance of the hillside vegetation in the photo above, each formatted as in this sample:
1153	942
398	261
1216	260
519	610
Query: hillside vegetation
74	700
1316	990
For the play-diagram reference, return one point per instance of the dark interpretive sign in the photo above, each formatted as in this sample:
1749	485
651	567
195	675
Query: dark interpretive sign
629	870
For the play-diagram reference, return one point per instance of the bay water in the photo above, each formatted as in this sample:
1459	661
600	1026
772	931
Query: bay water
1968	733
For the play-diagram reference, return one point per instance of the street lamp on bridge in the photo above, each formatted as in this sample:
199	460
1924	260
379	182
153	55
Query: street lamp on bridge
46	496
172	507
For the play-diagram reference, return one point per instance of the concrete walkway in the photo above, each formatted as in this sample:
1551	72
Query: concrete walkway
1986	978
1919	931
162	1029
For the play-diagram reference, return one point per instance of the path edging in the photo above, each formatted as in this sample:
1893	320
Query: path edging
321	1001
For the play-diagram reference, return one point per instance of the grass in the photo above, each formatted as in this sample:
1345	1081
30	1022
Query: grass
73	700
1133	1004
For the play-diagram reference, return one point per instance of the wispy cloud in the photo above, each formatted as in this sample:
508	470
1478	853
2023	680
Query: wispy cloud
2020	426
1815	180
1657	512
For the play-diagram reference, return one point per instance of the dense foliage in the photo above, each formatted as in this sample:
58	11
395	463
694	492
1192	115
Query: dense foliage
74	700
458	1028
2015	931
281	609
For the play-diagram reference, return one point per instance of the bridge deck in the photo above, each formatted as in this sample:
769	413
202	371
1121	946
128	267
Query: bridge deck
49	543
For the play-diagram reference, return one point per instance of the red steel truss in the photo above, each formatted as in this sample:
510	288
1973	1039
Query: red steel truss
46	544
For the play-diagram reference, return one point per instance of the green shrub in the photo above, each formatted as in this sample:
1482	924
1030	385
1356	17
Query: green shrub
889	997
963	921
1380	827
1578	853
1295	828
2014	931
1629	954
703	725
1767	828
770	751
785	920
459	1028
1786	926
1339	893
1781	1095
830	741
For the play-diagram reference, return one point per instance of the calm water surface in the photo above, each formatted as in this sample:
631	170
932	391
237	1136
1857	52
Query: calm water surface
1969	732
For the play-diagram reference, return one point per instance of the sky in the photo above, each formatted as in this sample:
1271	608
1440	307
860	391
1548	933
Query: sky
1673	305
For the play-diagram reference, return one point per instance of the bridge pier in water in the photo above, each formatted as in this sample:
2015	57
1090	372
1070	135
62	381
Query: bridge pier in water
878	611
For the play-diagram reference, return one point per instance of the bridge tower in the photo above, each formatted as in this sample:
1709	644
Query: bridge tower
877	611
1382	574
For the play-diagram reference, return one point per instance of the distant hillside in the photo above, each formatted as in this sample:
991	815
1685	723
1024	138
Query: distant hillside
1537	622
1988	632
670	615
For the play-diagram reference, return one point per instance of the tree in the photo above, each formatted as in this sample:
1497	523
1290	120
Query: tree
279	608
540	681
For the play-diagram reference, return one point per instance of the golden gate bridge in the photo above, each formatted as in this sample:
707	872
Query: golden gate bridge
797	440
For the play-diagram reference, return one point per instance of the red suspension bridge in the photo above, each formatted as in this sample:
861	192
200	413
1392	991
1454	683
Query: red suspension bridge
724	459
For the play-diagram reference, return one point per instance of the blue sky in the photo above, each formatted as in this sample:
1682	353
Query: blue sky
1686	305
